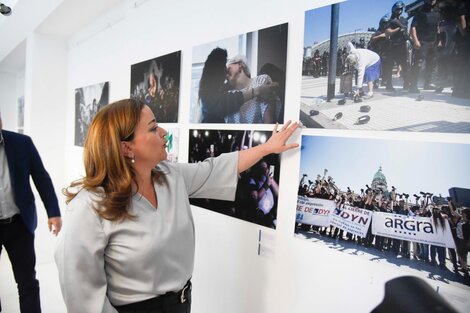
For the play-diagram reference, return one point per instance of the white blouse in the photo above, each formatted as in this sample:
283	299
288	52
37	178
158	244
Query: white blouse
102	262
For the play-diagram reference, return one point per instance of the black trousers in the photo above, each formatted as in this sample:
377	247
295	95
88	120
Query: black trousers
168	308
19	244
423	57
168	303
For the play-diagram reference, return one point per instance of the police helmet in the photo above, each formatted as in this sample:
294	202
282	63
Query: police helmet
399	5
384	20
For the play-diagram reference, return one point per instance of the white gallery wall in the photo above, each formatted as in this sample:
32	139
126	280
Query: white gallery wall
232	273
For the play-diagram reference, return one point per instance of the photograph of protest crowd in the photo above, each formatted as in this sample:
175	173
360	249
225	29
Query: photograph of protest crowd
156	82
390	65
388	201
88	101
240	79
257	189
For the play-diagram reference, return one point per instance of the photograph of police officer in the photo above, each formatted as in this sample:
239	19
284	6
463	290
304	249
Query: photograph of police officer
156	83
402	66
414	202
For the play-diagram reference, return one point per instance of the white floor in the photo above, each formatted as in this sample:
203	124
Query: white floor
51	298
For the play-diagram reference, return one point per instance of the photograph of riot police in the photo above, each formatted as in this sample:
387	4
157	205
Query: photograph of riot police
257	189
156	82
395	208
403	66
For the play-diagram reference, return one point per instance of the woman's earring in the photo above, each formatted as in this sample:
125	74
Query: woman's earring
132	159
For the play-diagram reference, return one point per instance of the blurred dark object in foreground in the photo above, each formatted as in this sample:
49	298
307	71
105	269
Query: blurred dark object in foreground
409	294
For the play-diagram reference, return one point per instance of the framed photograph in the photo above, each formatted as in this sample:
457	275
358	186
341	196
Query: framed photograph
258	187
240	79
88	101
387	201
156	82
395	67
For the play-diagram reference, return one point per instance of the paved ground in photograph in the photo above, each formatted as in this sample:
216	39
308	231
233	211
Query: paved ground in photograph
416	267
425	111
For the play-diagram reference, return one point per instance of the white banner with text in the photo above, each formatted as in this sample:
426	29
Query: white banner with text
314	211
412	228
353	220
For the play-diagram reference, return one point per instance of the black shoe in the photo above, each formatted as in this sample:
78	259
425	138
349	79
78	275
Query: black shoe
390	88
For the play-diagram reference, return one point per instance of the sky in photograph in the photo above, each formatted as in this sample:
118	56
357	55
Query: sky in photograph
354	15
410	166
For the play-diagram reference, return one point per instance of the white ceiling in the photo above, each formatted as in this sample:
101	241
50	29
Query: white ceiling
61	18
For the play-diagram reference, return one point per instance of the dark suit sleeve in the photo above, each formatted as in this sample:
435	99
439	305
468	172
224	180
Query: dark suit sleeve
43	182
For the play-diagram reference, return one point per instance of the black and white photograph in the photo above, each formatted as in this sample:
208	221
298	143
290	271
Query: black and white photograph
388	201
387	65
258	187
241	79
156	82
88	101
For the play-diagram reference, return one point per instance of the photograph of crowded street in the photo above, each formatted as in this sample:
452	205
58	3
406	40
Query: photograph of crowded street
388	202
156	82
402	66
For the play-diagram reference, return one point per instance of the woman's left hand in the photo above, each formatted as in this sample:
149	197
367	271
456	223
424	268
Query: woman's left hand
277	142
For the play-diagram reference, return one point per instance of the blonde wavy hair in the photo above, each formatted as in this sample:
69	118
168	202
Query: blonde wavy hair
107	172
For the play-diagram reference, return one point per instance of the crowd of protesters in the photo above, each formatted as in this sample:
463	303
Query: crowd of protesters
257	189
443	211
428	50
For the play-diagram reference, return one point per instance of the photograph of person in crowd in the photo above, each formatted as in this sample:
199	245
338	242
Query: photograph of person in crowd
413	56
156	82
234	83
388	201
88	101
257	189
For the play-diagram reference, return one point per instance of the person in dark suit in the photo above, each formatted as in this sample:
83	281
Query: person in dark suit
19	160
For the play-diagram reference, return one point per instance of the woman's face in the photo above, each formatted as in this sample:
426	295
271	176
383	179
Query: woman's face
149	143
